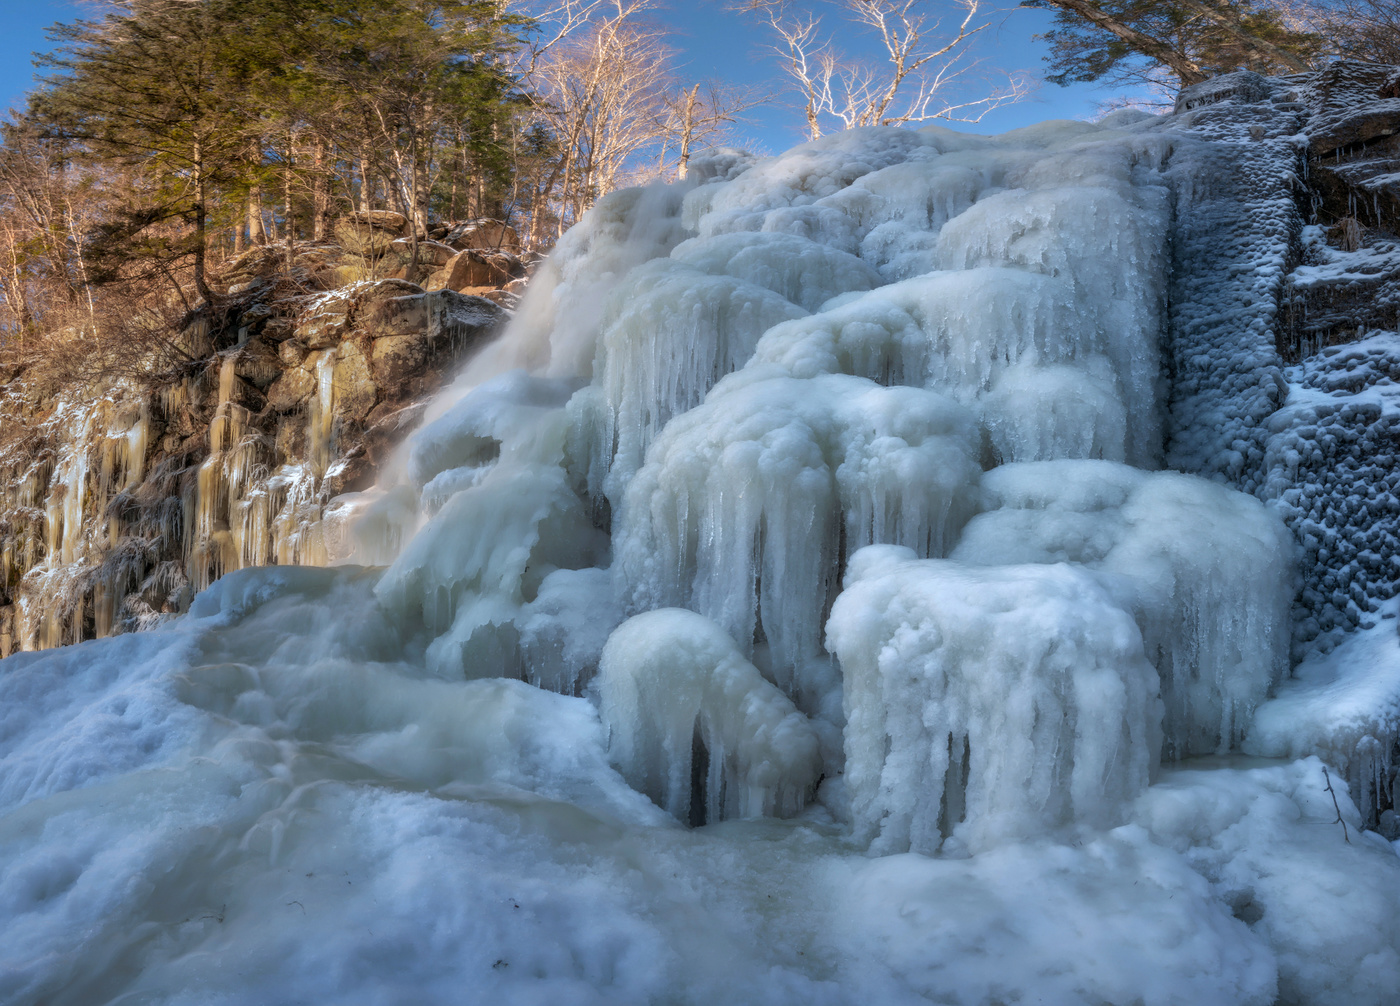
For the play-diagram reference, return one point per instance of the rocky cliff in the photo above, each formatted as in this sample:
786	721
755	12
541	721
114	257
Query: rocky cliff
122	496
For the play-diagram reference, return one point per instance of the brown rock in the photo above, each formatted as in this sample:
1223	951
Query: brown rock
290	390
355	391
484	234
396	359
472	268
405	315
326	325
291	353
258	364
278	328
384	220
369	233
430	253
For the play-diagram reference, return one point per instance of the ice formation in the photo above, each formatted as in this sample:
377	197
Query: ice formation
695	726
987	704
815	501
1209	574
749	504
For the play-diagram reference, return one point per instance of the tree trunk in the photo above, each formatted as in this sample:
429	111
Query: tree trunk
257	233
687	130
287	208
201	285
321	196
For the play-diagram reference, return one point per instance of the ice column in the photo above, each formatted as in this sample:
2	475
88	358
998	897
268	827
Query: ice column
987	704
1208	572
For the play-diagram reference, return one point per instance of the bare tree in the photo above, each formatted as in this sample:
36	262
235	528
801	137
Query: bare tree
693	116
923	58
601	93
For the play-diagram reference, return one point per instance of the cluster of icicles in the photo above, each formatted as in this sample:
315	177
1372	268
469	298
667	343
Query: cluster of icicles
842	470
238	511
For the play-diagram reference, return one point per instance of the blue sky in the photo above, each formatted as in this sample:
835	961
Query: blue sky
712	43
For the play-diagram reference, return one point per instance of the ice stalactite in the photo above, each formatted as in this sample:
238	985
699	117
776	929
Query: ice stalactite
697	728
672	334
987	705
749	504
1208	572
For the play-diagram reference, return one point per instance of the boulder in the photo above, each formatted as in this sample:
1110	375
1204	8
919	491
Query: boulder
325	327
432	254
355	390
473	268
369	232
1353	104
291	353
396	359
485	234
291	390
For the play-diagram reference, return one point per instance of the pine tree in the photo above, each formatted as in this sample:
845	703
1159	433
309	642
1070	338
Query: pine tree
1187	40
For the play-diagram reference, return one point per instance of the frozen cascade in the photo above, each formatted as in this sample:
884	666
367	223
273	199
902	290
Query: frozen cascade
749	504
696	727
672	334
1209	574
796	501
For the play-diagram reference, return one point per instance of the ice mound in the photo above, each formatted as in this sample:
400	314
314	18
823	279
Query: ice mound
1016	346
1277	856
1344	706
695	726
1207	571
749	504
986	705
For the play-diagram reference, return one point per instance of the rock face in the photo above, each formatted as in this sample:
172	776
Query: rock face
120	501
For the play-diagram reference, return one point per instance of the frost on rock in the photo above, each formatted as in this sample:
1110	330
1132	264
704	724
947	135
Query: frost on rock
986	705
749	504
696	727
1207	572
1344	707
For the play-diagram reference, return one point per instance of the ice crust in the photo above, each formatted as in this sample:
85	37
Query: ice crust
813	500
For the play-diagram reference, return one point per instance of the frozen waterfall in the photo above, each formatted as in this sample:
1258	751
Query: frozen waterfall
789	608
